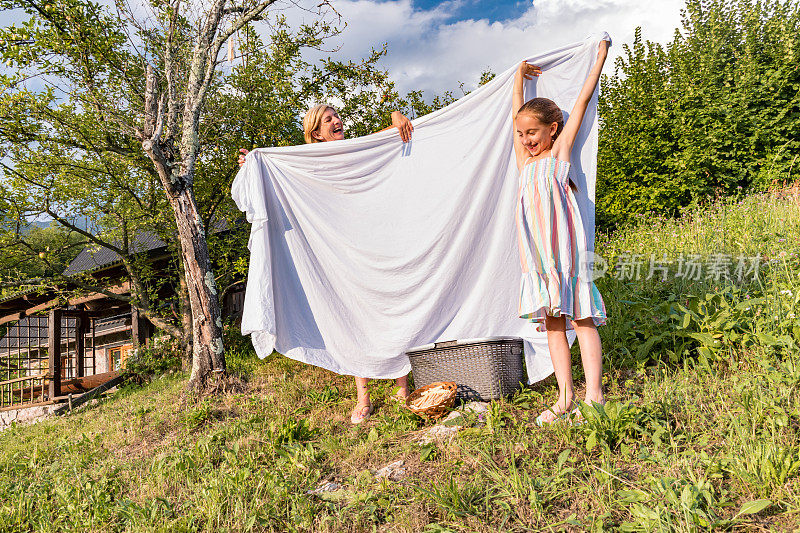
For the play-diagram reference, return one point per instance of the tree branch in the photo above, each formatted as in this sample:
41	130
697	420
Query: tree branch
82	232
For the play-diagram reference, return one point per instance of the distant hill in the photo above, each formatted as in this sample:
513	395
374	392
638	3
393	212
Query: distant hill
40	223
81	222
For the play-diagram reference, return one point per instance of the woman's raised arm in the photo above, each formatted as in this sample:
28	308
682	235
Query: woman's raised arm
402	124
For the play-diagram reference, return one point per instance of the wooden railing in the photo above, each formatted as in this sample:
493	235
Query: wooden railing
26	390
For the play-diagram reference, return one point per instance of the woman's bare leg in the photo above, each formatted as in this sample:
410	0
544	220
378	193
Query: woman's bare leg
592	358
562	365
363	405
402	386
362	391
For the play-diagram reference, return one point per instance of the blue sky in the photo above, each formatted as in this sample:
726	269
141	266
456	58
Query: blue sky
481	9
435	45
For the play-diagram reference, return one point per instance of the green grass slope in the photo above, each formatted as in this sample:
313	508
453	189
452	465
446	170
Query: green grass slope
701	431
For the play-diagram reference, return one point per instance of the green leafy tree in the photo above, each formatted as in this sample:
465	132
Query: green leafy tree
714	112
22	258
120	134
133	126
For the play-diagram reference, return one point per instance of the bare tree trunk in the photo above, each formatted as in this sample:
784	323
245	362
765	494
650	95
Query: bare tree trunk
176	172
185	310
208	360
208	351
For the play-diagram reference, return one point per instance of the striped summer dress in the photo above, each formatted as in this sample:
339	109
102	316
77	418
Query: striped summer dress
556	278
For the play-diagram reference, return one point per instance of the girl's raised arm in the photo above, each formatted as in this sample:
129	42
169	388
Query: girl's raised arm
563	144
526	71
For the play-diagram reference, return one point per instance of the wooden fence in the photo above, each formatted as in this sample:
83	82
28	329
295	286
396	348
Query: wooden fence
24	391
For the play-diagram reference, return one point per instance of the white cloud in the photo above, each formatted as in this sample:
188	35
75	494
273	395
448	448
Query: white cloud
428	50
433	51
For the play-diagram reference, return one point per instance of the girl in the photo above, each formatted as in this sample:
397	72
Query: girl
556	282
322	124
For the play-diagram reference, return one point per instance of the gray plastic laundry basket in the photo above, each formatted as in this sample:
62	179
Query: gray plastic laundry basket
483	369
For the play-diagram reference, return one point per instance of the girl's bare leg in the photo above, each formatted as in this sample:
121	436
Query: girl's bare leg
592	358
559	354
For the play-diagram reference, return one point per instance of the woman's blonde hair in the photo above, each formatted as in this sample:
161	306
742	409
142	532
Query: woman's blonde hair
313	120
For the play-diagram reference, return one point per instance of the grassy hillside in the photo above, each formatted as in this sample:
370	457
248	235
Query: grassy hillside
702	427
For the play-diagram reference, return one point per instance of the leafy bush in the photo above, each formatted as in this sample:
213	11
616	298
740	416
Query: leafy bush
150	361
676	319
715	111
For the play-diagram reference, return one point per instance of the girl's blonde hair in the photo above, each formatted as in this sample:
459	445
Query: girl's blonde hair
546	111
313	120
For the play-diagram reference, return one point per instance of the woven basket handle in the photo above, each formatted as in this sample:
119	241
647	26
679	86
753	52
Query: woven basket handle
445	344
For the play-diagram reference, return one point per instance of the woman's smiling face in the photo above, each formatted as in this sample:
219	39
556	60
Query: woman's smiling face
330	128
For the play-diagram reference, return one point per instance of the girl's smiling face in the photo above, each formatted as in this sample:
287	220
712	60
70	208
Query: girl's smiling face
535	135
330	128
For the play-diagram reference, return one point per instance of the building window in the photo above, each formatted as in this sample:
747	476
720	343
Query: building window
118	355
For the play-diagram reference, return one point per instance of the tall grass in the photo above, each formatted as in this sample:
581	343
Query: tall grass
721	311
701	431
766	224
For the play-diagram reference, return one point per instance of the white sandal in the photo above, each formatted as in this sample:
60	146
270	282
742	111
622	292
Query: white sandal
563	416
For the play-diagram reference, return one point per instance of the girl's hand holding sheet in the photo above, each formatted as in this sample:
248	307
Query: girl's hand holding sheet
527	71
602	50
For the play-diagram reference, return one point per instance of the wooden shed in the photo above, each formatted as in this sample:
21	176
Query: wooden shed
51	347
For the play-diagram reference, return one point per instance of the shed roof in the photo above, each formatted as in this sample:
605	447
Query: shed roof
93	257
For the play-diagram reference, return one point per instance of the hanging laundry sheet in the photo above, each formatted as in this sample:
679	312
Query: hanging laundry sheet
366	247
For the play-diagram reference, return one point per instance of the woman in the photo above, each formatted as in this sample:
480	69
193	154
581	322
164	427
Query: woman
322	124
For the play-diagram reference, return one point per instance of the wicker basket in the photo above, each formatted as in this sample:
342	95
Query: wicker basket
439	409
484	369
